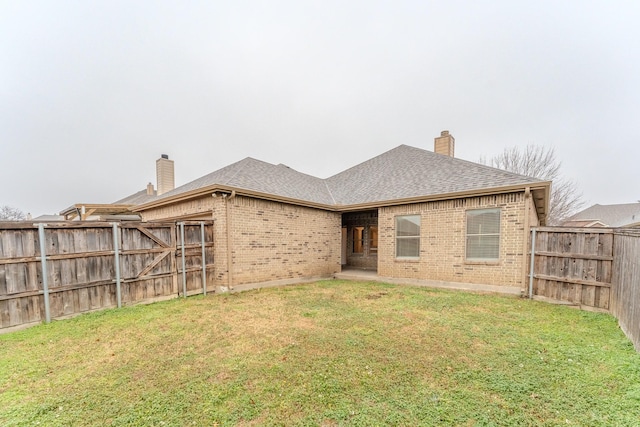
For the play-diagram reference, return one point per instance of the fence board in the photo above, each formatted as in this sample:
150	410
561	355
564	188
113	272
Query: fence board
626	275
574	265
593	268
81	266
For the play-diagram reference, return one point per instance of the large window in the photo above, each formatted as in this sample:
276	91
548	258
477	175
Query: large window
364	240
358	240
408	236
373	239
483	235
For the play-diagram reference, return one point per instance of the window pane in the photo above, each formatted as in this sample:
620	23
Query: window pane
408	247
408	236
483	234
483	247
357	240
408	225
373	239
483	221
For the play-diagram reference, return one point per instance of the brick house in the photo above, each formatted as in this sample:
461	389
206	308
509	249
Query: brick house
407	213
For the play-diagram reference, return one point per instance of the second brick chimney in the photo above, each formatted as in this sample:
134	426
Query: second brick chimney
444	144
164	174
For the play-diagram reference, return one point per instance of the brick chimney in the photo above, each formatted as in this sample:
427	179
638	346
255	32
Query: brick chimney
164	174
444	144
150	190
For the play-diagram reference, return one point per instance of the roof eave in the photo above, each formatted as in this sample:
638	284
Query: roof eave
539	189
537	186
103	206
211	189
541	195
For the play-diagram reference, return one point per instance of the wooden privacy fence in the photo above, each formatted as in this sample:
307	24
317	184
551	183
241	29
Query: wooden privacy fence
625	295
573	265
57	270
594	268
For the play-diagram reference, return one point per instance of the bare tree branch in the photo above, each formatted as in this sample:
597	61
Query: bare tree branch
541	162
7	213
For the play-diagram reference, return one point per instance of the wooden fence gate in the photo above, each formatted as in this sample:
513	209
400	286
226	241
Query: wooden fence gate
573	265
62	269
593	268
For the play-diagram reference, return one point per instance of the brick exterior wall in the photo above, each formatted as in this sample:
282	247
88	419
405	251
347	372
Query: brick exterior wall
443	240
273	241
277	241
269	240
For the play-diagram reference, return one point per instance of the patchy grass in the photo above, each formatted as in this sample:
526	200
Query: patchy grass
330	353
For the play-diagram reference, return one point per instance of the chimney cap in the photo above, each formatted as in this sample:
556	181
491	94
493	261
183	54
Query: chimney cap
164	156
444	133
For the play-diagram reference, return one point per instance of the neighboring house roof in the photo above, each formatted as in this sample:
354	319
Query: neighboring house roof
584	223
85	211
402	174
138	198
621	215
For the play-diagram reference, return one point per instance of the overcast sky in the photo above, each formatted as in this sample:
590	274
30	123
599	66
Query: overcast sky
92	92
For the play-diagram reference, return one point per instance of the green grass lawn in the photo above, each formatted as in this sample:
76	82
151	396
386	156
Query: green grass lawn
328	353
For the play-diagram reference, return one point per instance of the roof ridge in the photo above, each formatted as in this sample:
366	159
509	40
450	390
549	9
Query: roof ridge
443	156
493	168
282	165
326	184
368	160
619	204
244	164
482	165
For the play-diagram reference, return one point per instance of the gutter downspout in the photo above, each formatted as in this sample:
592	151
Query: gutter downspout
533	258
526	233
229	240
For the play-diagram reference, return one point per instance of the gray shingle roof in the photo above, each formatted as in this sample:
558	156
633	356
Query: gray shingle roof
136	198
611	215
402	172
406	172
263	177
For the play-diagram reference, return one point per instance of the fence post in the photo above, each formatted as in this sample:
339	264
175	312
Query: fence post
204	262
532	265
116	251
45	283
184	272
